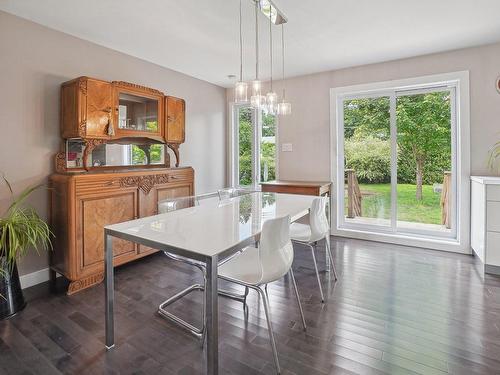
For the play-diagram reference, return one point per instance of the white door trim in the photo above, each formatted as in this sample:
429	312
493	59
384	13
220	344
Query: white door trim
461	81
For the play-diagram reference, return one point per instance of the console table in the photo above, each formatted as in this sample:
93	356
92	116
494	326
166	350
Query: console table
298	187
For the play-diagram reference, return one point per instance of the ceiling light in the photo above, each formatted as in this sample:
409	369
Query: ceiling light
257	100
284	107
241	88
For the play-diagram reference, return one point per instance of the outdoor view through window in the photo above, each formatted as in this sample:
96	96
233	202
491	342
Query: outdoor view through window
256	146
399	176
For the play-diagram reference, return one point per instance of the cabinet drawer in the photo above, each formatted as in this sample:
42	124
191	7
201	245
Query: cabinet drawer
493	216
493	192
97	185
493	248
180	175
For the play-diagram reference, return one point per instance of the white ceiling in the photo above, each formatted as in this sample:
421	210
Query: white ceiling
200	37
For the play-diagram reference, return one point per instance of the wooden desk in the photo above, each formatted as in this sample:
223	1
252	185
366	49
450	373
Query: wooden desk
297	187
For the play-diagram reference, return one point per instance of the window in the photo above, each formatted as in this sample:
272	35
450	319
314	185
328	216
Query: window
254	149
398	159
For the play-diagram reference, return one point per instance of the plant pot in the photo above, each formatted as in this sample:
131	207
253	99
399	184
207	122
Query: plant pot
11	294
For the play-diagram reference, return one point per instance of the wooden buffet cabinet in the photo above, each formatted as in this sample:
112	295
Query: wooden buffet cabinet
110	120
90	110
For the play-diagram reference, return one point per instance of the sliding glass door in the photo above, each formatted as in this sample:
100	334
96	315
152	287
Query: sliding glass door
399	158
254	149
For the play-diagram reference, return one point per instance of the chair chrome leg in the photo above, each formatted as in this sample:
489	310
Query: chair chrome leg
317	274
329	250
246	295
270	328
292	276
197	332
237	297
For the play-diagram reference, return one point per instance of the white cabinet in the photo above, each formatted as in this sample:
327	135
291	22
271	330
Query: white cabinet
485	221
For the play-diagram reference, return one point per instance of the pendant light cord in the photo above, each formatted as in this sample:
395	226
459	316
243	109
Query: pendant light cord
283	57
256	40
241	50
271	43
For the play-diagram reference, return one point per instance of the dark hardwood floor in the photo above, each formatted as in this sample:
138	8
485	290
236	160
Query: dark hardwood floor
394	310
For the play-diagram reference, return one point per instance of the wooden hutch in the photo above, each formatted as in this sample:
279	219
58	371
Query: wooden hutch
113	166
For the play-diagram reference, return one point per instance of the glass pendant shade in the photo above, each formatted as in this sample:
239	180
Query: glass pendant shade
271	108
258	101
271	97
284	108
241	92
271	102
256	87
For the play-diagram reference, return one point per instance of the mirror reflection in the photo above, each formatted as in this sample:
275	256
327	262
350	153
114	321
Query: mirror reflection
116	155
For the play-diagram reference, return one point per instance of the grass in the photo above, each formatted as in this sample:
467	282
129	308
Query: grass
377	203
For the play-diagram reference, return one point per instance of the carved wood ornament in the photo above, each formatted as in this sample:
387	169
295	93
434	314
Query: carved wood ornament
145	183
77	285
90	145
134	86
175	148
61	162
82	85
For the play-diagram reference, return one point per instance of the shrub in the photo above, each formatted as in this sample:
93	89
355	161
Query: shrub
370	157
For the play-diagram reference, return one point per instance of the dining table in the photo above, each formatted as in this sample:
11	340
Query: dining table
209	232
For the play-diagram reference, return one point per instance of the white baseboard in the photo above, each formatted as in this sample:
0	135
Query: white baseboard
35	278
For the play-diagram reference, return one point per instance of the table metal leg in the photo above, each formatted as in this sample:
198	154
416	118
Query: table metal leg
109	287
212	317
327	238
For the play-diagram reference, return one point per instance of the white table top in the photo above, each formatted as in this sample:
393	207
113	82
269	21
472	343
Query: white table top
212	227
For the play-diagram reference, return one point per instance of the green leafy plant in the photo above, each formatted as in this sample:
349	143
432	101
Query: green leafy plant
21	229
370	157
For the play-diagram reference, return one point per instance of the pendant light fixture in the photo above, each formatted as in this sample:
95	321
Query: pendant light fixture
257	100
284	107
271	97
241	88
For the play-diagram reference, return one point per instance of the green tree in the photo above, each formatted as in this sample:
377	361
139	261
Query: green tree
267	152
424	129
245	146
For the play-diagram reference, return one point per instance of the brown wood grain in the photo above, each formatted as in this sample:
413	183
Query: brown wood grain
175	120
82	204
297	187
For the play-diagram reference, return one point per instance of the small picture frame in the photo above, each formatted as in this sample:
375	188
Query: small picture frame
497	84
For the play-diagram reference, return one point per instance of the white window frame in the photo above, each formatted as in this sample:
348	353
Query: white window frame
233	159
459	238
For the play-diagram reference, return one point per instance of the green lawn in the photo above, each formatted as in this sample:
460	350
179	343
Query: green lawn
377	203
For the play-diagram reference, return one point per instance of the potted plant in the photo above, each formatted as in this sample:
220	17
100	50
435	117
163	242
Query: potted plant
20	230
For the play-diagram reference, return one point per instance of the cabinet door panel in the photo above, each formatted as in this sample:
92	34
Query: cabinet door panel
97	212
99	108
493	216
175	123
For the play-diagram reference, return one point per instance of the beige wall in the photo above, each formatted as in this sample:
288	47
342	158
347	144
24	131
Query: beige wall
35	60
308	128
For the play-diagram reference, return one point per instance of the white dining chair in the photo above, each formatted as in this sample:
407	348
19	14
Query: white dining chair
309	234
256	267
175	204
